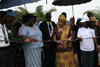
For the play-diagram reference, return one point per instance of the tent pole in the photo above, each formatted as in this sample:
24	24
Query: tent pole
72	10
25	8
46	1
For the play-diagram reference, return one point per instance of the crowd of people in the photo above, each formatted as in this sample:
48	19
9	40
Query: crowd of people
29	43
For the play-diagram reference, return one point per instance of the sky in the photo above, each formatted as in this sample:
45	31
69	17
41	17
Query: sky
78	9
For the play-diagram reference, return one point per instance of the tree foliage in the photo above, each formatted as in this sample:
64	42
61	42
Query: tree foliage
41	14
96	12
38	12
52	10
21	12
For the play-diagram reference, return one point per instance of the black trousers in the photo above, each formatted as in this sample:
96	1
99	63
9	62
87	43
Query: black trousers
95	58
79	54
49	55
5	57
20	60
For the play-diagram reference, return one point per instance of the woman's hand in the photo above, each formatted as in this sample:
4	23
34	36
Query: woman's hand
69	39
61	42
27	40
30	40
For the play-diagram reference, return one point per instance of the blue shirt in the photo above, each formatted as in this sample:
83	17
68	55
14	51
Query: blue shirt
31	32
37	24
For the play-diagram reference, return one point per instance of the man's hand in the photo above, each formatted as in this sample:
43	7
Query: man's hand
96	47
79	38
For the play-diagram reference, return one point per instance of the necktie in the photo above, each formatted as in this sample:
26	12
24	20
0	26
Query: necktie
50	27
5	38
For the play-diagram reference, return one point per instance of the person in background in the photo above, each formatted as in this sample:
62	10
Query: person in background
20	59
12	33
5	54
93	21
87	40
77	26
77	44
89	14
72	21
63	35
37	23
33	41
72	25
18	24
46	28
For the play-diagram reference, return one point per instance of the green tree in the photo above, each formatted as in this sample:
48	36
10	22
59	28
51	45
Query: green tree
20	12
52	10
38	12
96	12
41	14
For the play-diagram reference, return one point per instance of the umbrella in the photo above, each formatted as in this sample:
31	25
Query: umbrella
69	2
11	3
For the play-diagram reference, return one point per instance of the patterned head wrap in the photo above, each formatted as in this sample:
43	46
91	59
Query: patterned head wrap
62	19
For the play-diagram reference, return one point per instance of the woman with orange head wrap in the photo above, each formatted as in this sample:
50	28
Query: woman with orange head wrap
63	35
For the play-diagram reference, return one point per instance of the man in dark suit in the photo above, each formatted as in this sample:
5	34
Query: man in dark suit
47	27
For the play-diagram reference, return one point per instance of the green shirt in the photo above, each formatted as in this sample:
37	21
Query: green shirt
12	33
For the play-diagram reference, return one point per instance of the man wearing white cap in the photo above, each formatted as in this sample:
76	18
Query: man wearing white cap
87	39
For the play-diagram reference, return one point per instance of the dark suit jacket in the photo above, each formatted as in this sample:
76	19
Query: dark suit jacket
44	30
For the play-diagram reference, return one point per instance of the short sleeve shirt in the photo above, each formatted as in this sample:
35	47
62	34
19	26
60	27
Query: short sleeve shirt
87	34
31	32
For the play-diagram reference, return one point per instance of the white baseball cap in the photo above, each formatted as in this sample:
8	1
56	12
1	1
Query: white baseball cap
84	19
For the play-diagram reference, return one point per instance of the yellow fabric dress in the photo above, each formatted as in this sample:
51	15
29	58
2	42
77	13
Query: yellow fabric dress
65	55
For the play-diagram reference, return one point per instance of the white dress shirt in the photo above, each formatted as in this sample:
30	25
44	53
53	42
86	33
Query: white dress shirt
2	43
50	33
